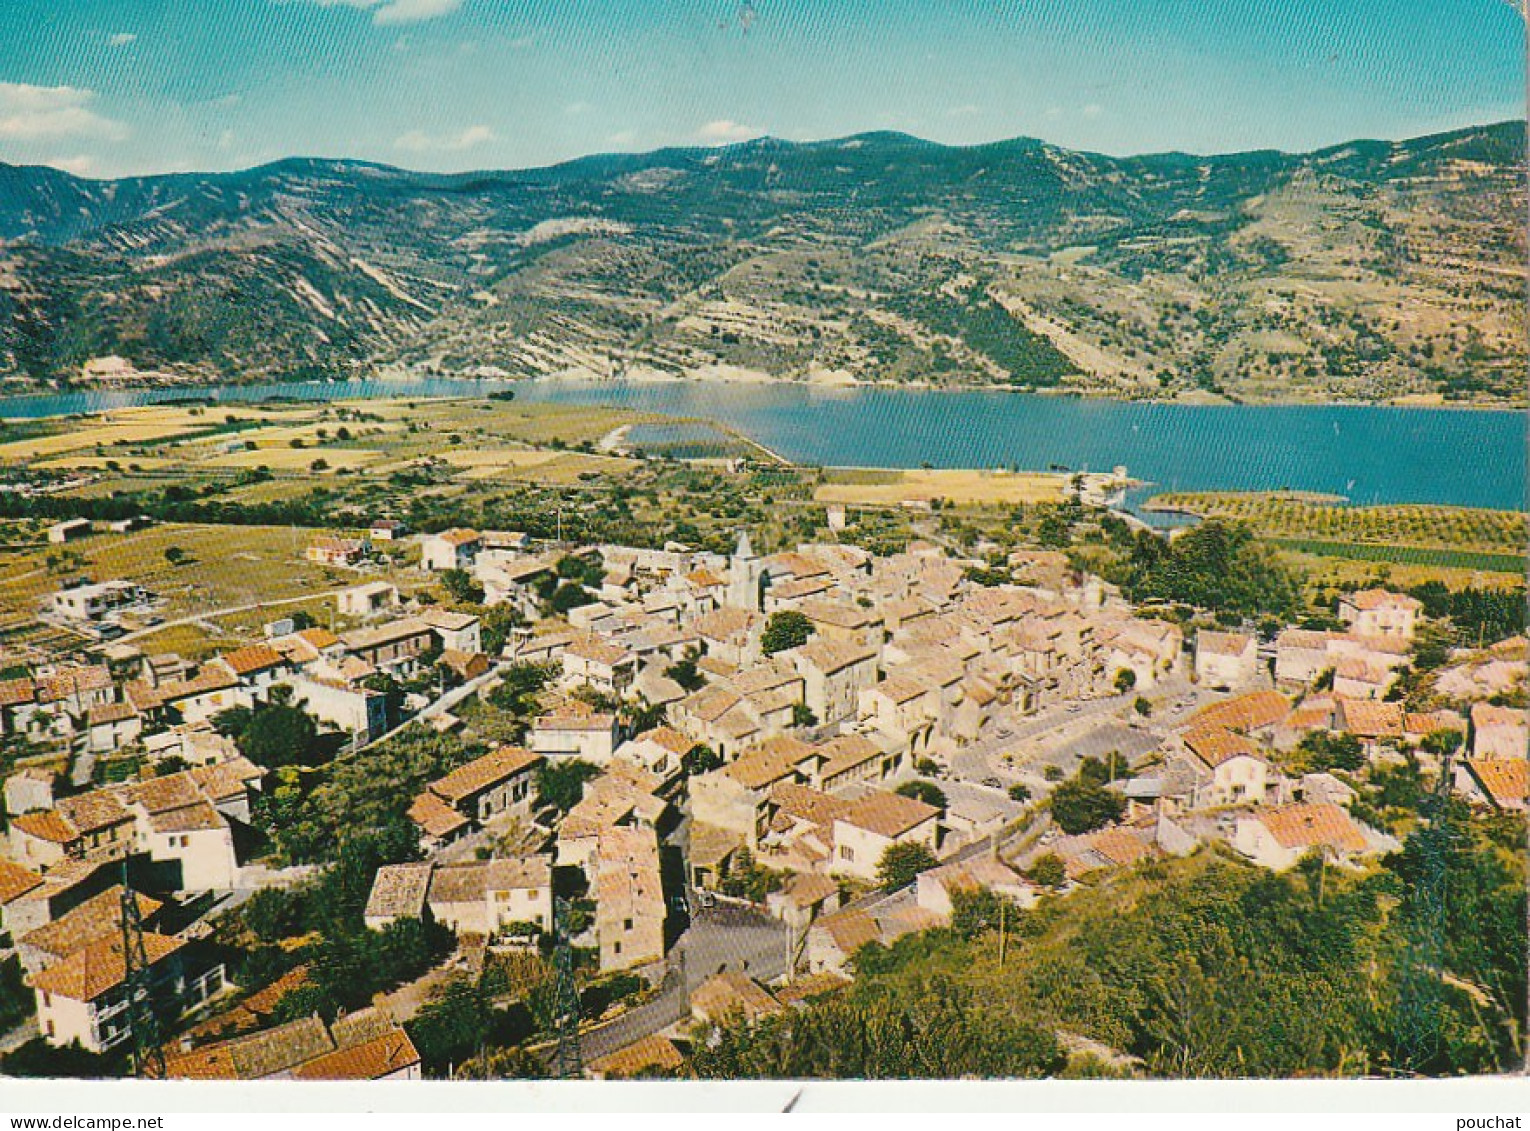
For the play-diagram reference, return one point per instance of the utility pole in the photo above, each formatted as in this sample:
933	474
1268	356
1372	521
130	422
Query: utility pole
570	1063
148	1059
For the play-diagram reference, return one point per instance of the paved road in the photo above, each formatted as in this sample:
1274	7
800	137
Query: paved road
718	938
445	703
129	637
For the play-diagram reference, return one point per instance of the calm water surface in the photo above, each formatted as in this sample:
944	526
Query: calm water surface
1368	455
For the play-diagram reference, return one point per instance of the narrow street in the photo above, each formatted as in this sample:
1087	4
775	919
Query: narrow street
718	938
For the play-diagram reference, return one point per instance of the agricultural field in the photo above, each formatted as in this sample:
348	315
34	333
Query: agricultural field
1320	526
219	567
963	488
1324	573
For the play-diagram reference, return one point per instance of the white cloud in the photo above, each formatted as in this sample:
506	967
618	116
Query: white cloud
121	39
30	112
412	11
965	111
1093	110
396	11
418	141
725	131
624	138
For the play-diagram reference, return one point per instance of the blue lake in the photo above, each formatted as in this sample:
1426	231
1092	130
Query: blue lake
1367	454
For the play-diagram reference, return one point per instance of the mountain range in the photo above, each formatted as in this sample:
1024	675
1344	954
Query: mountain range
1370	270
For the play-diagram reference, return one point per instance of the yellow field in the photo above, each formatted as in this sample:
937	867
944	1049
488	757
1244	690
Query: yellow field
296	459
225	566
281	436
98	463
569	466
497	459
103	435
955	486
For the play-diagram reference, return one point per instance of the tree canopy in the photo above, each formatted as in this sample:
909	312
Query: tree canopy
785	629
1216	565
1081	805
900	863
926	791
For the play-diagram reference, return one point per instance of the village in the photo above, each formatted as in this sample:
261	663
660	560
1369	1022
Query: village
776	760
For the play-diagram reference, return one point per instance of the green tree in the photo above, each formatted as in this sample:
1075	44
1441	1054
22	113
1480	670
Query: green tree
1321	750
278	734
940	1033
560	782
569	595
980	909
700	759
1126	679
785	629
901	863
803	716
1440	742
462	586
1049	871
685	674
1081	806
926	791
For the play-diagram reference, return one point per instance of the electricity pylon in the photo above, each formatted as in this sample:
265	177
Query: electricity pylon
148	1059
1421	988
570	1064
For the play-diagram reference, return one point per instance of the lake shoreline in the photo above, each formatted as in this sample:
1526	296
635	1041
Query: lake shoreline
1369	454
179	390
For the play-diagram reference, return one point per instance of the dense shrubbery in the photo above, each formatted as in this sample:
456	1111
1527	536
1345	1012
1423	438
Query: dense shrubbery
942	1032
1204	967
347	963
356	794
1479	615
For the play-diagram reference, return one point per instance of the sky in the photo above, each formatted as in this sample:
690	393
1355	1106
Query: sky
107	88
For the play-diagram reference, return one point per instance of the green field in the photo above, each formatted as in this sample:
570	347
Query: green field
1407	555
1282	515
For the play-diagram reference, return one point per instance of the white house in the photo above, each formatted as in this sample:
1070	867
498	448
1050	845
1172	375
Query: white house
1499	732
1239	774
834	673
457	632
873	824
593	662
590	736
1380	612
364	600
450	549
1278	838
1225	659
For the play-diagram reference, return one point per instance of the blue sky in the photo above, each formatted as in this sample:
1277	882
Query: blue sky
113	87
